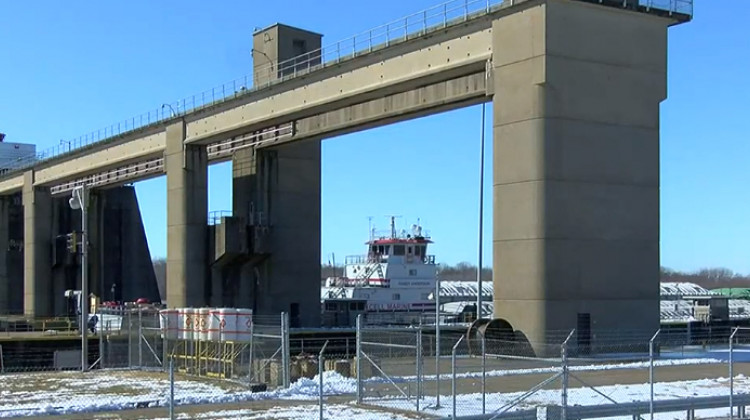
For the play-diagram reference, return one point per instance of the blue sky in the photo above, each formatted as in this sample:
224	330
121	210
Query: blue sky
68	68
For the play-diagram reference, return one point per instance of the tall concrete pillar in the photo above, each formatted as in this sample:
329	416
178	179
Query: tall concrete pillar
247	201
577	88
11	257
187	212
37	278
283	185
5	282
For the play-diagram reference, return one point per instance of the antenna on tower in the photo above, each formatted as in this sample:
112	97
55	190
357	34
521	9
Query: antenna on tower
393	226
370	230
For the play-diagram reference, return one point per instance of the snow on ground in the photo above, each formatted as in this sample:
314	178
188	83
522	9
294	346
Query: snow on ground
555	369
64	393
96	391
337	411
470	404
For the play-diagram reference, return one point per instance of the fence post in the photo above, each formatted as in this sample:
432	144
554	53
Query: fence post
437	343
651	373
251	368
453	374
99	327
321	360
484	374
171	388
285	348
358	358
140	338
731	372
130	338
564	377
164	340
419	364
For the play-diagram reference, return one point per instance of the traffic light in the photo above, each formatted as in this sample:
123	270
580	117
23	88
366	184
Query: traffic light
72	242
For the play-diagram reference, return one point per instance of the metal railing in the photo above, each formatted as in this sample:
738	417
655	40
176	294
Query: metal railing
413	26
214	217
627	409
373	258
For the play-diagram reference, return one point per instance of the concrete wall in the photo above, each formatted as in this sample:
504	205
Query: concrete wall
576	167
283	185
122	248
35	276
11	255
275	46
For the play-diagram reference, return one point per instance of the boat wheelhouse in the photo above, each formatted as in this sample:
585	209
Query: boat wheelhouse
392	284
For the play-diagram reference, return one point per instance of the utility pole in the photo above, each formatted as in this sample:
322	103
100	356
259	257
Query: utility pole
79	200
481	213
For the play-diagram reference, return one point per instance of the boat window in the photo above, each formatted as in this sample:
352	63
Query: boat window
412	271
408	250
387	249
330	306
360	306
396	296
418	251
398	250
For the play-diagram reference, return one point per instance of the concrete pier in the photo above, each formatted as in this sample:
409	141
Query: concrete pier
5	280
577	89
187	208
37	277
278	192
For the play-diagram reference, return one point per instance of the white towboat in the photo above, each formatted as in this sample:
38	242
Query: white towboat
393	283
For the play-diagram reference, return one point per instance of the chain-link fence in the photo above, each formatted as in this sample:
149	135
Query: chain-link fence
389	363
400	372
490	371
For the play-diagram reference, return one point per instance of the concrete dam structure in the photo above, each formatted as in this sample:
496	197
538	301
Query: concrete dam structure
119	261
575	86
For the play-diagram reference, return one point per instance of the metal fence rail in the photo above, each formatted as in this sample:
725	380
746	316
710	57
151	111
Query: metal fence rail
633	409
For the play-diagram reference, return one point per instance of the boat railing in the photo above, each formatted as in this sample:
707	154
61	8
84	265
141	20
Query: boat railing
377	258
366	259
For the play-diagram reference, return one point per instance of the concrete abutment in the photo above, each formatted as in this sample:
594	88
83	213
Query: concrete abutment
577	89
187	209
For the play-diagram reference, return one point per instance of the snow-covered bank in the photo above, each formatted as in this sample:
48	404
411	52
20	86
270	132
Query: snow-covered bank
469	404
307	412
97	391
554	369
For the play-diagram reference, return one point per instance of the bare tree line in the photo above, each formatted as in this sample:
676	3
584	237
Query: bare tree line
710	278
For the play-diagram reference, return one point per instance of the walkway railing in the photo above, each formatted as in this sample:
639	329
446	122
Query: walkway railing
214	217
413	26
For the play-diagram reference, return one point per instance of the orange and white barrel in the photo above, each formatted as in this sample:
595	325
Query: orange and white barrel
214	325
203	323
168	323
244	324
188	323
228	324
